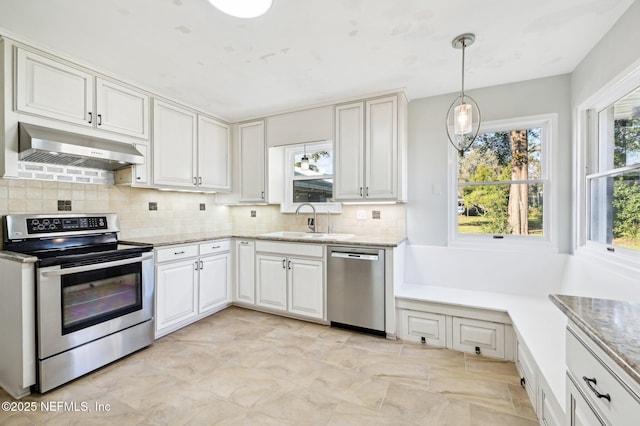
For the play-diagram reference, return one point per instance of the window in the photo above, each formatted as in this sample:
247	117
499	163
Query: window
502	181
614	188
312	185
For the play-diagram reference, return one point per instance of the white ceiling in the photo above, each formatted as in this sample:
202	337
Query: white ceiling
307	52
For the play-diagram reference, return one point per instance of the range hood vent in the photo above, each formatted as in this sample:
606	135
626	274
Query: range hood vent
44	145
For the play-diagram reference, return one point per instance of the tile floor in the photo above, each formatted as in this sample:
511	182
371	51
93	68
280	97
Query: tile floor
245	367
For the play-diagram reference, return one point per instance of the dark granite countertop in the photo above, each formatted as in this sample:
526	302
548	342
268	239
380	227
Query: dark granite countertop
613	325
357	240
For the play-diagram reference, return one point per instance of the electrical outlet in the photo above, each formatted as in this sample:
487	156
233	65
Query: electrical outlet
64	205
375	214
153	205
203	206
253	213
361	214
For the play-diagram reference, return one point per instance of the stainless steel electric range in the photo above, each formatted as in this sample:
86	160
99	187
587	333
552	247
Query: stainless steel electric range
94	296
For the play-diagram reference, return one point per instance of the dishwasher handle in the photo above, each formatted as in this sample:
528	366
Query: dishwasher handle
355	256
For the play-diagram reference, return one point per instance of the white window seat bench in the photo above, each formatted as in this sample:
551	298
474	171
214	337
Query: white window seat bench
533	337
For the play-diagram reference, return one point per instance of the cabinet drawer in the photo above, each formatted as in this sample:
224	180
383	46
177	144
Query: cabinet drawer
175	253
583	364
217	246
417	325
470	334
527	373
292	249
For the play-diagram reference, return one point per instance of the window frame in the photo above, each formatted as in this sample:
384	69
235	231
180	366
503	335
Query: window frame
588	163
548	123
287	205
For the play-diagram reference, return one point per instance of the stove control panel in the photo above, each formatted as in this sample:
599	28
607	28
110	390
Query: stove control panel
42	225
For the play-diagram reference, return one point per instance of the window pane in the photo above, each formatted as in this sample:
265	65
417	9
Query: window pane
501	156
312	190
500	209
626	130
320	163
615	210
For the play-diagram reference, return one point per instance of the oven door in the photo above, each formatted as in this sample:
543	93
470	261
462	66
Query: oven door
79	303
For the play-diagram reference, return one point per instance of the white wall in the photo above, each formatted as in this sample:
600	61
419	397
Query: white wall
427	211
614	56
609	62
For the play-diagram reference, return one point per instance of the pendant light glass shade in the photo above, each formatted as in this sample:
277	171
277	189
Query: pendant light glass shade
242	8
463	117
304	163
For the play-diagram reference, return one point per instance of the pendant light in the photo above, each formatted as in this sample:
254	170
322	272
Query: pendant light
463	117
242	8
304	162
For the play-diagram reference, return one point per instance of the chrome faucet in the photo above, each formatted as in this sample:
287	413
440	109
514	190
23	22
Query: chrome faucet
313	225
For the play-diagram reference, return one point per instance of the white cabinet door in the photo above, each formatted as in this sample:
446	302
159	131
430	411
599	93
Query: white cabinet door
215	282
245	272
52	89
252	161
349	155
381	148
306	287
580	413
174	153
214	154
121	110
271	281
176	293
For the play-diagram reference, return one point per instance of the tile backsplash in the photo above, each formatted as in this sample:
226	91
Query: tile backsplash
180	212
177	212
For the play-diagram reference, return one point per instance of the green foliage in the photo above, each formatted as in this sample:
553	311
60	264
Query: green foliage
491	200
626	205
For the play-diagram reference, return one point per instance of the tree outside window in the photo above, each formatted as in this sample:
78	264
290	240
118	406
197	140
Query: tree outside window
501	185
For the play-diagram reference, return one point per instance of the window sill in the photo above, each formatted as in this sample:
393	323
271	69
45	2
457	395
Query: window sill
627	260
505	244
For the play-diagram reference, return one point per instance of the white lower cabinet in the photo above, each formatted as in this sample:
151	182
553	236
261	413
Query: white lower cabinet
288	282
271	278
481	337
245	272
192	281
580	412
176	293
598	390
424	327
215	282
305	280
527	370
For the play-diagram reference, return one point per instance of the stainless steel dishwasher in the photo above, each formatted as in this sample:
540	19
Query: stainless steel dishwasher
355	289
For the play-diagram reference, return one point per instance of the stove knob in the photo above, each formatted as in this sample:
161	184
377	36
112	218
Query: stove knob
45	221
40	227
52	227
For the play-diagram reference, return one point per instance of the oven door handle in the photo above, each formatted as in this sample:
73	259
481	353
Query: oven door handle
93	267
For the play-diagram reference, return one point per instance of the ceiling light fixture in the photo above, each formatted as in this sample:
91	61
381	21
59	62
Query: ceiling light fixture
304	162
462	123
242	8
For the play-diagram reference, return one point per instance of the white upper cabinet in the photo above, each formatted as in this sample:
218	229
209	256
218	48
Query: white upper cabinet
174	145
252	161
121	110
349	157
381	148
214	154
52	89
189	150
370	150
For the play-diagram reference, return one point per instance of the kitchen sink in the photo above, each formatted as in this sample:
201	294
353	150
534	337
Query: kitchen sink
306	235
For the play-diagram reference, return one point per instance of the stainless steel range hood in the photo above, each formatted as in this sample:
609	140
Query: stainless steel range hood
44	145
